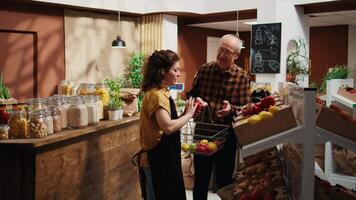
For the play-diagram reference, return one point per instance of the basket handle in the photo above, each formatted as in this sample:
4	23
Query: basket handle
209	114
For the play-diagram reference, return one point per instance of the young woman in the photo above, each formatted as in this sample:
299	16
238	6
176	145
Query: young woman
159	128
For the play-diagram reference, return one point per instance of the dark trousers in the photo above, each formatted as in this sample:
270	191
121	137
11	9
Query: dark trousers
224	162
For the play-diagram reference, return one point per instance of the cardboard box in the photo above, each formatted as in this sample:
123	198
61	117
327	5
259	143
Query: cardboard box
332	121
247	133
342	91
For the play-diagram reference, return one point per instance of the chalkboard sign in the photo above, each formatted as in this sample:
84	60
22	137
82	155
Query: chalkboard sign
266	48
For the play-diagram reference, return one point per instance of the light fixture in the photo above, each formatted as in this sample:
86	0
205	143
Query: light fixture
118	42
251	22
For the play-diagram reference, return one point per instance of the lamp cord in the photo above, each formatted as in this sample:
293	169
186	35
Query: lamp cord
237	19
119	28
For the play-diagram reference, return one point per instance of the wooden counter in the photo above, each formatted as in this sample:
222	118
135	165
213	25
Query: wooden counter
90	163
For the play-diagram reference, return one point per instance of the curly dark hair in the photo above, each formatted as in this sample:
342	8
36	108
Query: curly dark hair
156	66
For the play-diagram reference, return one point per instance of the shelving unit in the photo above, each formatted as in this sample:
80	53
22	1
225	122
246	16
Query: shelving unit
329	138
304	133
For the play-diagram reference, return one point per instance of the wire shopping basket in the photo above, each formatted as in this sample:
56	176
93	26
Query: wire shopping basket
203	138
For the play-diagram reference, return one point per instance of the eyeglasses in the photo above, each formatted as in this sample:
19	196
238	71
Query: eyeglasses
225	51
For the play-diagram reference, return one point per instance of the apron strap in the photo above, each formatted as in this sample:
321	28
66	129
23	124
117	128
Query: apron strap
136	158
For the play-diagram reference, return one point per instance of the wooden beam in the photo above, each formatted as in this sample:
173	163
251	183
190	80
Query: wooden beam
334	6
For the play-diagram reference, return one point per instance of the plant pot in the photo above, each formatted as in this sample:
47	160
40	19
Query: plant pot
115	114
291	78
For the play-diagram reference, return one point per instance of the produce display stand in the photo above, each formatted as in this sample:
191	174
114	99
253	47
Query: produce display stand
302	101
329	138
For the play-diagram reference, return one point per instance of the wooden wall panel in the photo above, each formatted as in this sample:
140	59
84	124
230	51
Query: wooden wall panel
328	47
15	45
47	23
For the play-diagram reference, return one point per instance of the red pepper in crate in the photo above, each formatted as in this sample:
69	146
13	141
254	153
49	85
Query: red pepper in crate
267	102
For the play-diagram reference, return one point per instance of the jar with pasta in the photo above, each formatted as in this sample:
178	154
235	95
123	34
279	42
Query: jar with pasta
103	93
77	113
37	125
83	89
18	124
65	87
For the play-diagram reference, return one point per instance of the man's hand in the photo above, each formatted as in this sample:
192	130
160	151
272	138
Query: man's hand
226	109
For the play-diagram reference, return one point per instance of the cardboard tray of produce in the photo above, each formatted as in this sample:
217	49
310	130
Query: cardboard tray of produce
347	93
247	133
339	123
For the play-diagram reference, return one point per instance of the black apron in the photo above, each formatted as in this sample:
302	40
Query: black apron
165	165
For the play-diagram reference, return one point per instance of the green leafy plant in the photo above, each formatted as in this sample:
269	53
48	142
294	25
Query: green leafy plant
297	60
115	102
134	74
337	72
134	71
115	85
4	91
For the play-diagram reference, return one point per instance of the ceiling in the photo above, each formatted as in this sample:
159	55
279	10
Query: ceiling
315	19
341	12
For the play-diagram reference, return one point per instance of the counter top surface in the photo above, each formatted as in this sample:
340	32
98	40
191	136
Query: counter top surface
68	134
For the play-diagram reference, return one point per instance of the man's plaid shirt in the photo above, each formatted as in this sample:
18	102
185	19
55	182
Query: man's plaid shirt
214	85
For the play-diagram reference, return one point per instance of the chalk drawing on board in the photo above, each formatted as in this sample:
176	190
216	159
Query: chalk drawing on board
265	51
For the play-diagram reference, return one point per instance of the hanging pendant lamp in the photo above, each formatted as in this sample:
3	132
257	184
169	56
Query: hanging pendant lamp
118	42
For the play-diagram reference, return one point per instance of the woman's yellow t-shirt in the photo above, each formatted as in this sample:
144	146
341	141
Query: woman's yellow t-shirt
150	133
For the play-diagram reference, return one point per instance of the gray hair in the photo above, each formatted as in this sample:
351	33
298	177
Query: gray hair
237	42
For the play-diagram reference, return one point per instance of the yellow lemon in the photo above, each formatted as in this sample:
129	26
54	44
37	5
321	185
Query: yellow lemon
273	109
254	119
204	141
212	146
265	115
185	146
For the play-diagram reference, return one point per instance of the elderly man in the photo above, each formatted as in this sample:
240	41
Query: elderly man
224	87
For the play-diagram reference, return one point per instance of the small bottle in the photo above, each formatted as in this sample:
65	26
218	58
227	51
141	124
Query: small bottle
37	126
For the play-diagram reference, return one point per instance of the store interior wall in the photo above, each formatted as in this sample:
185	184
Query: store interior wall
31	56
328	47
88	37
352	52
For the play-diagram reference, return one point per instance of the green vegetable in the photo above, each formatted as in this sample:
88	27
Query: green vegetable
337	72
115	86
4	91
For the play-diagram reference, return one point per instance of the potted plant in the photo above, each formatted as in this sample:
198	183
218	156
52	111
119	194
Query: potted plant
297	61
115	110
114	107
131	93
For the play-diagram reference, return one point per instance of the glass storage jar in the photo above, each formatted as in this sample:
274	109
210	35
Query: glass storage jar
92	106
4	132
18	124
83	89
57	104
56	120
103	93
63	113
77	113
37	125
35	104
65	87
48	121
100	106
